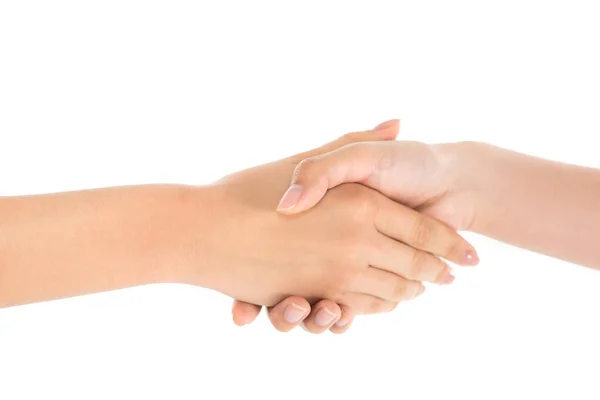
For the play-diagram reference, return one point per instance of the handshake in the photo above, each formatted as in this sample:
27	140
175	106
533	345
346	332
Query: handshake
353	227
364	222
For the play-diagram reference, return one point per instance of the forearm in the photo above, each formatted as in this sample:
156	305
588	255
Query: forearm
67	244
544	206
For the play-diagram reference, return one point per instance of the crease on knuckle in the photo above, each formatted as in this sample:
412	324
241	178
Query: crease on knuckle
356	243
375	306
400	289
454	249
304	168
422	233
339	283
417	267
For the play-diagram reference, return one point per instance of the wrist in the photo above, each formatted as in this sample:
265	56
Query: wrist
190	232
463	165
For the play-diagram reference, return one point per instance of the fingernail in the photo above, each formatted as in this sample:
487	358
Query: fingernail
325	317
470	258
294	313
241	322
341	323
448	279
385	124
290	198
417	291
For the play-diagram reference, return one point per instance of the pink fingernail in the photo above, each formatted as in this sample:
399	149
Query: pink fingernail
294	313
448	279
325	317
290	198
385	124
471	258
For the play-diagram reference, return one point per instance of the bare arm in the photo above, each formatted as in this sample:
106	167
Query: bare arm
227	237
67	244
541	205
544	206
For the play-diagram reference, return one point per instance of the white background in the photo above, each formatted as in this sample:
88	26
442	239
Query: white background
122	92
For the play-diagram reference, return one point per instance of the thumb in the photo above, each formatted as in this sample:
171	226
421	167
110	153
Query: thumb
314	176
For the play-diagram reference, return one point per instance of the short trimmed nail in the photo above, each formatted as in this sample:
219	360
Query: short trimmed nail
290	198
342	322
385	124
471	258
325	317
294	313
417	291
448	279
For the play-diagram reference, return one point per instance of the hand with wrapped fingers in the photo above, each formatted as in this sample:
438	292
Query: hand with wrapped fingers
403	228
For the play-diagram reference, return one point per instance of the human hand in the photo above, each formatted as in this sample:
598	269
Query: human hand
418	175
245	313
295	310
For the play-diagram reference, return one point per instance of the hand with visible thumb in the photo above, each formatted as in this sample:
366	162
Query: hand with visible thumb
414	174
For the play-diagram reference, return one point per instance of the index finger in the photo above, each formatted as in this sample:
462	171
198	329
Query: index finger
423	232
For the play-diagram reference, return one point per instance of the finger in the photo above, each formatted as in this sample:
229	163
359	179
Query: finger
387	130
244	313
362	303
344	322
386	285
423	233
322	317
289	313
404	261
338	163
313	176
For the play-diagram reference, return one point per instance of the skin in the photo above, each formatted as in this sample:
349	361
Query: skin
536	204
356	247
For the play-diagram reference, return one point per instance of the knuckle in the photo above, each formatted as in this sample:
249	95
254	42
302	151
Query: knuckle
347	278
340	282
422	232
418	262
355	240
375	306
363	203
304	168
453	249
356	200
400	288
355	244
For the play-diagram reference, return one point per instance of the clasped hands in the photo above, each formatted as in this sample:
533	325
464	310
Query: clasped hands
364	222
